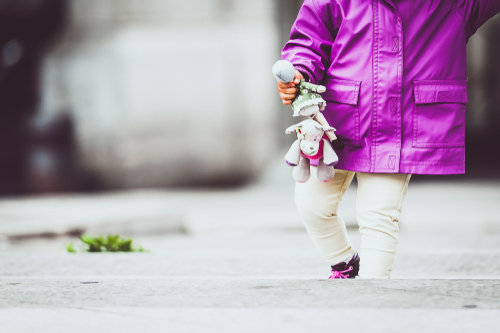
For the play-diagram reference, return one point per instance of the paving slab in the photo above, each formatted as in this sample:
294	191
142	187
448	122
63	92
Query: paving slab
151	212
444	207
249	254
249	293
132	212
248	320
257	264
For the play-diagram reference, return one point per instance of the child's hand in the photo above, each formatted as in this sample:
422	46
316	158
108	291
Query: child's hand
287	91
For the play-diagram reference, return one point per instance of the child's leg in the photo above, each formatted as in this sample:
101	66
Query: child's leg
317	203
378	207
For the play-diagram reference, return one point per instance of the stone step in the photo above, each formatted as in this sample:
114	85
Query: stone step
238	264
440	208
247	320
205	292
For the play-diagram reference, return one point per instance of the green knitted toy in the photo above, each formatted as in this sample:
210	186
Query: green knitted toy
309	101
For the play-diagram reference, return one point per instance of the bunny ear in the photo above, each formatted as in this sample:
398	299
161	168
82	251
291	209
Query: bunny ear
328	129
294	128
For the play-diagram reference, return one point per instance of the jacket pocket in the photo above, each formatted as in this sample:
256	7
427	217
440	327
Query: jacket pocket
439	115
342	109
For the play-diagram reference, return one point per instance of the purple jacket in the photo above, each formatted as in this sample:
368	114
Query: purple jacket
395	73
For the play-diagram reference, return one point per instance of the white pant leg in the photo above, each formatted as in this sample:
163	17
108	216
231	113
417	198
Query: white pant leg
317	203
378	207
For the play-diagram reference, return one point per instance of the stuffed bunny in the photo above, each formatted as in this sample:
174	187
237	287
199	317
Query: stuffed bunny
311	145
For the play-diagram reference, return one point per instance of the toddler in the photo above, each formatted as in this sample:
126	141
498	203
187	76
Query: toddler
395	73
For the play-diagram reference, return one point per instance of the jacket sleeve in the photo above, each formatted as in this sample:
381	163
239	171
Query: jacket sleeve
311	40
476	12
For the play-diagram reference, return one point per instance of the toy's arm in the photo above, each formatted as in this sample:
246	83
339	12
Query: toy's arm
322	120
313	87
329	155
293	156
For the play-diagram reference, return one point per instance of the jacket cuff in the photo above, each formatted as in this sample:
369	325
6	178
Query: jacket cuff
309	76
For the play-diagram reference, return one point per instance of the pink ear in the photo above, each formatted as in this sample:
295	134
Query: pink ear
292	128
328	129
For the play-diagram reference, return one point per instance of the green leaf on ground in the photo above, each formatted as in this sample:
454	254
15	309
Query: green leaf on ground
70	248
110	243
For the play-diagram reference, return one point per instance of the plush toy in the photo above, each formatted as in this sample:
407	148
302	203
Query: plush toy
308	102
311	145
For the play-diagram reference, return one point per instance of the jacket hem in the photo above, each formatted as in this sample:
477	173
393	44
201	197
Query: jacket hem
408	167
421	169
438	167
447	163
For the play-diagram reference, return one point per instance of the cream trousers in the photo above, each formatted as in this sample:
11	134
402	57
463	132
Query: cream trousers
378	207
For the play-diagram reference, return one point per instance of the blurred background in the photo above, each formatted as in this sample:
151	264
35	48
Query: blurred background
159	120
119	94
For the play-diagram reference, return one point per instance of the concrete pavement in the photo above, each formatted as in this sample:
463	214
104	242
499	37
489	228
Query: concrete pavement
247	305
259	255
248	320
241	261
207	292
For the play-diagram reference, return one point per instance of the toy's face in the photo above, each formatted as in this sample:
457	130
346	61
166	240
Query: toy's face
310	134
309	147
309	111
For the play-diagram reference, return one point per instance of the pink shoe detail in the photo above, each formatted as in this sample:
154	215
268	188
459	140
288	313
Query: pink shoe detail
340	275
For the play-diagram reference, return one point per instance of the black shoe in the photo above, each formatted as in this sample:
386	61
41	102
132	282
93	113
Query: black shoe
346	270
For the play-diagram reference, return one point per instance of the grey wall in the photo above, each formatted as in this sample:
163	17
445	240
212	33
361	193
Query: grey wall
483	61
483	111
168	92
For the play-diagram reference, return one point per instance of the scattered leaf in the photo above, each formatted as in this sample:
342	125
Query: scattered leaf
110	243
